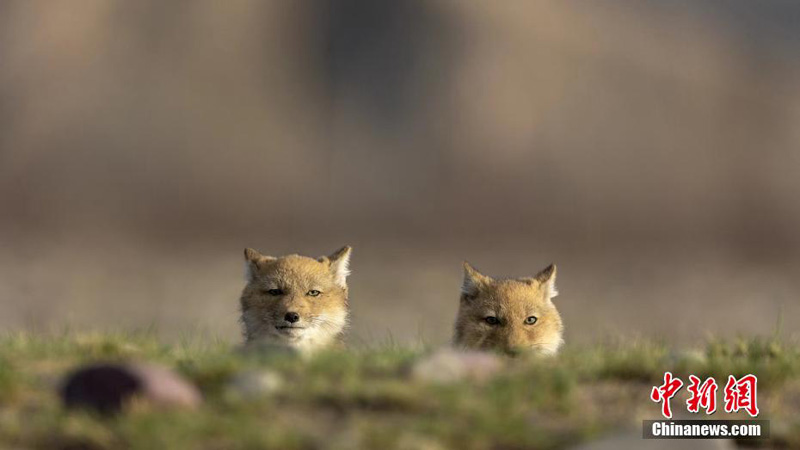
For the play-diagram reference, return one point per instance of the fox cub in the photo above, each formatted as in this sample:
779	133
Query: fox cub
510	315
294	300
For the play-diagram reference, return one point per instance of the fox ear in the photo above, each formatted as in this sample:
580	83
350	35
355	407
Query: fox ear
340	264
547	278
251	255
253	261
473	280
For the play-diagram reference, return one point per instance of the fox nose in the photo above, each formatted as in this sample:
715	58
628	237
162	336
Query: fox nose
291	317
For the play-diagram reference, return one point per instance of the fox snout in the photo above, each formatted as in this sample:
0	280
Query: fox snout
291	317
513	344
292	312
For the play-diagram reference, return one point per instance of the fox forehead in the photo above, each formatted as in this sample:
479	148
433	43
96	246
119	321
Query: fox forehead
513	296
295	270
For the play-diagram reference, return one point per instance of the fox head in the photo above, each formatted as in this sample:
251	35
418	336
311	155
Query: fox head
509	315
294	300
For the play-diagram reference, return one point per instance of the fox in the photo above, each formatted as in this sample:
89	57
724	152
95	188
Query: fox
295	301
511	315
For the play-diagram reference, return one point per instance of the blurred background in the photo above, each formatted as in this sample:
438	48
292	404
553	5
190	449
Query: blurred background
650	149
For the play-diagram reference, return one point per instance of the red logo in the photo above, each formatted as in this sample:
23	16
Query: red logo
665	392
739	394
703	395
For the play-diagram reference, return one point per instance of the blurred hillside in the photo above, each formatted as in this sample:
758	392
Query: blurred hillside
650	148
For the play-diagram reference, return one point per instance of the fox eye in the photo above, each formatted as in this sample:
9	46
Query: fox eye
531	320
491	320
274	292
314	293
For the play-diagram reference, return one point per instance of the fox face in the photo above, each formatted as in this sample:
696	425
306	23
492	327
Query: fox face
509	315
294	300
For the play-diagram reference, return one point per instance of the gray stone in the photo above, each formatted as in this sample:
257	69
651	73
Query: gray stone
450	365
254	384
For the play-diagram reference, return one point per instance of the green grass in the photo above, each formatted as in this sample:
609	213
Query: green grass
365	398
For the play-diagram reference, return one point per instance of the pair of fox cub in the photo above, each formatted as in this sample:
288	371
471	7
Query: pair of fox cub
301	302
